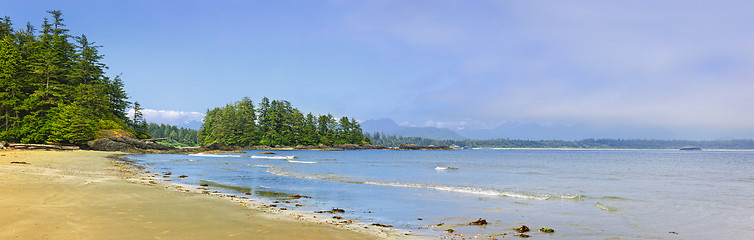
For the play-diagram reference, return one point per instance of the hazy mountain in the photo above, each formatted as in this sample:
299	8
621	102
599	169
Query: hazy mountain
388	126
534	131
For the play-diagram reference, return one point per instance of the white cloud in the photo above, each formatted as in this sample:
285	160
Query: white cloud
446	124
168	116
669	63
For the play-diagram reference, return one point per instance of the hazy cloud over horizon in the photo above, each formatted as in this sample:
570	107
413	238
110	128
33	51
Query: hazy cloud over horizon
168	116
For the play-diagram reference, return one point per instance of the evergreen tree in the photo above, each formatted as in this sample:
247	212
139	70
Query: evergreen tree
46	76
275	122
11	87
70	125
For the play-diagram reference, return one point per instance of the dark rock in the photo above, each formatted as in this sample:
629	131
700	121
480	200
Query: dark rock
382	225
124	144
522	229
546	230
479	222
333	211
218	146
299	196
523	235
269	153
19	163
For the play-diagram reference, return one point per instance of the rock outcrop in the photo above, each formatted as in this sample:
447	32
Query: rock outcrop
118	140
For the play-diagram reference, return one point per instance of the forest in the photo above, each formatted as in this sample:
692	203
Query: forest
53	86
396	141
274	123
176	137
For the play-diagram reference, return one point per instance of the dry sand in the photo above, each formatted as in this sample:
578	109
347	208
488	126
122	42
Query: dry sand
83	195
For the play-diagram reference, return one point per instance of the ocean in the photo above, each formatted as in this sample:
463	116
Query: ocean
581	194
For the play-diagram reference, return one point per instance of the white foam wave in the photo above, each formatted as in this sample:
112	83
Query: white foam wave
456	189
293	161
212	155
274	157
479	191
445	168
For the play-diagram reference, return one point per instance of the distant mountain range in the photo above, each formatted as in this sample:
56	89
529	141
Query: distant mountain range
534	131
389	127
522	131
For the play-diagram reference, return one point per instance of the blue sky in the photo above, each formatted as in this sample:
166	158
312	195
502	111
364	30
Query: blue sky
457	64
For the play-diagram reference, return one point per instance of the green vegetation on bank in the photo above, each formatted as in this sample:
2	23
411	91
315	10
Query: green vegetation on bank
53	87
275	123
176	137
395	141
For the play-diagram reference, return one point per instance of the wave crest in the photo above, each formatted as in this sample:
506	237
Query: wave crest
274	157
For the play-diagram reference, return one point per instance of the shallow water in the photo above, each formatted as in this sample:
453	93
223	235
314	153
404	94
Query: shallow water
592	194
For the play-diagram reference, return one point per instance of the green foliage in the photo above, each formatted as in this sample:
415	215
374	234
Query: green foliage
53	88
68	125
275	123
177	137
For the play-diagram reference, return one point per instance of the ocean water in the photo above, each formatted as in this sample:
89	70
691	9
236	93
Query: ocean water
581	194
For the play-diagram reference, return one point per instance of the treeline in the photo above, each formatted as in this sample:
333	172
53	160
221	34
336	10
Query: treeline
396	141
177	137
275	123
53	86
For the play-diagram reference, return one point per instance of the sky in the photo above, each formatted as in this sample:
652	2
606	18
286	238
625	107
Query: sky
680	65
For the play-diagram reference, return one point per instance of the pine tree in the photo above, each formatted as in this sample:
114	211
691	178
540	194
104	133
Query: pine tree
70	125
11	87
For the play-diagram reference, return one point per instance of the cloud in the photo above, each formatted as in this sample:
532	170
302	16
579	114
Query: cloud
670	63
169	116
446	124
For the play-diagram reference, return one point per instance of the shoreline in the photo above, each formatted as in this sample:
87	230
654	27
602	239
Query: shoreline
86	195
140	176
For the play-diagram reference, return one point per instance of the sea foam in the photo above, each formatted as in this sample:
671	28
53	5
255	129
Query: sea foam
274	157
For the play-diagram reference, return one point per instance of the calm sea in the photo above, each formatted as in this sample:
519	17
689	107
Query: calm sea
581	194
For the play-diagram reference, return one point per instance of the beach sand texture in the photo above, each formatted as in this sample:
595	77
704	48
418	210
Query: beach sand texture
82	195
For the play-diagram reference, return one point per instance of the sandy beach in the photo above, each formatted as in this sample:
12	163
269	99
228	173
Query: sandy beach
83	195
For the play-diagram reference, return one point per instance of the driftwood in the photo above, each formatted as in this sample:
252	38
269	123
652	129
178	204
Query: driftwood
154	140
40	146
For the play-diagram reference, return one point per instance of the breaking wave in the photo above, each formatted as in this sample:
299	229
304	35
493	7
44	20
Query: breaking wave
274	157
456	189
481	191
212	155
294	161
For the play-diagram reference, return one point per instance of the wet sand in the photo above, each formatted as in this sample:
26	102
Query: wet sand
83	195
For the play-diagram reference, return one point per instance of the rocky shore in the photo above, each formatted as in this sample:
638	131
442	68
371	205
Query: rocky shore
122	141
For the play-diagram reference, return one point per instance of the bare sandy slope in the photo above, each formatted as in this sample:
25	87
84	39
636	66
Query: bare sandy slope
82	195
